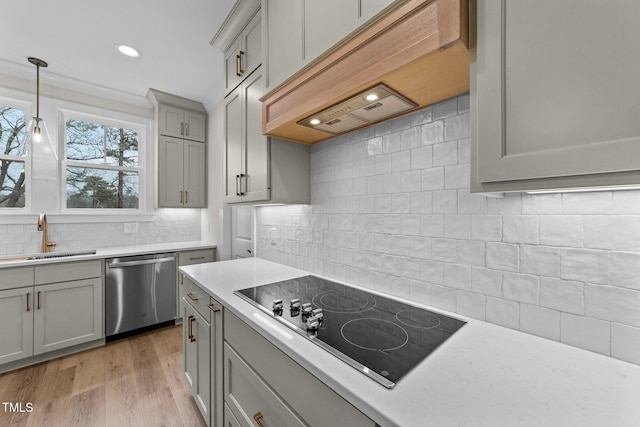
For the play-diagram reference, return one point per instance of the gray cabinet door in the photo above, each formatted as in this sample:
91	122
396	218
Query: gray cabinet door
217	364
255	183
326	23
170	172
16	315
195	125
555	98
170	121
194	175
233	146
67	314
284	41
196	363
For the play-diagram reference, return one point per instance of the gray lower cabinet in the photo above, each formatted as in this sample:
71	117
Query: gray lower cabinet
196	256
554	95
263	386
202	350
52	307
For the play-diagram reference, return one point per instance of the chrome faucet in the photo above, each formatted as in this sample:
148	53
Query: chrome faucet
42	226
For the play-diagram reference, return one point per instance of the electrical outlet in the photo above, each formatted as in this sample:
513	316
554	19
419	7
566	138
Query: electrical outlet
130	227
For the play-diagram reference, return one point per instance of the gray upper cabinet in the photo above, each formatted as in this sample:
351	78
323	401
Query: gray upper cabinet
257	169
297	33
244	55
180	123
554	95
180	154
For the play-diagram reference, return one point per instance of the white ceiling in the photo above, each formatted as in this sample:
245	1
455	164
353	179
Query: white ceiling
77	39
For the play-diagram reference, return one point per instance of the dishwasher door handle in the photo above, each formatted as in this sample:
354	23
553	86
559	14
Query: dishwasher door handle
116	264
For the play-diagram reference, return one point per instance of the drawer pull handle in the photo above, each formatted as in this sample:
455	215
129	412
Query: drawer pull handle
186	197
212	308
181	202
258	417
195	258
191	337
191	297
181	128
240	57
238	67
38	300
28	308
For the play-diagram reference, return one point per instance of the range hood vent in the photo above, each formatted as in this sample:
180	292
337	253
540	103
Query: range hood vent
371	105
419	48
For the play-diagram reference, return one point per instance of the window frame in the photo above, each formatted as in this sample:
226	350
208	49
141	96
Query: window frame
26	108
113	119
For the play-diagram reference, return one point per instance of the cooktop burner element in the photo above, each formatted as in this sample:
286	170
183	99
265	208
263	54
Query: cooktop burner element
381	337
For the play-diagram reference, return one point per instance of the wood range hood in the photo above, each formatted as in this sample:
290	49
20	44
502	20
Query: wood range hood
420	50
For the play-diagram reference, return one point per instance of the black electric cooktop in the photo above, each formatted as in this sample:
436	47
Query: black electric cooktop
381	337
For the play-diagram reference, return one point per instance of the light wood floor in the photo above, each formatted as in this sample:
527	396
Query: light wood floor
132	382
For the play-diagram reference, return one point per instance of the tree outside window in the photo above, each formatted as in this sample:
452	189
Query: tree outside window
13	150
102	166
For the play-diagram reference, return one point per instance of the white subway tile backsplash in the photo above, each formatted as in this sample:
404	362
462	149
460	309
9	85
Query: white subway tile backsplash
598	232
520	229
445	201
586	332
391	210
503	312
457	226
587	265
556	230
445	153
503	256
456	127
486	227
540	321
432	133
542	204
521	287
540	260
598	202
457	276
613	304
487	282
471	304
562	295
432	179
625	343
625	269
626	202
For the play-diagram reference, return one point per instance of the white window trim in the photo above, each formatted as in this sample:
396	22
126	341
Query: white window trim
26	108
145	165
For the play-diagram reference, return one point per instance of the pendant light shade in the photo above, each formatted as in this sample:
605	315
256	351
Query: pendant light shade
37	126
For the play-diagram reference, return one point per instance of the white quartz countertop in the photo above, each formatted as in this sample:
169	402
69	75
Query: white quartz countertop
19	261
484	375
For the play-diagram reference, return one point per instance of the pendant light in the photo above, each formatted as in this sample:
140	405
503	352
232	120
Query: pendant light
37	131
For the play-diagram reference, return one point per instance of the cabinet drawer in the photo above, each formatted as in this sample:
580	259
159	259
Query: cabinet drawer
16	277
277	369
67	271
198	298
196	257
250	398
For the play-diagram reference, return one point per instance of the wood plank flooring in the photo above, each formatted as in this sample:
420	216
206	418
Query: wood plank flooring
136	381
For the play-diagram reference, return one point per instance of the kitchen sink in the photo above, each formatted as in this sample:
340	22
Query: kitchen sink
48	255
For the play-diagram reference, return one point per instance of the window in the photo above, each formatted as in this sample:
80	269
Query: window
13	152
102	165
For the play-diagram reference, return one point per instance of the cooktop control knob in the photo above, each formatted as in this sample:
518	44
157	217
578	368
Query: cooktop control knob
277	306
313	324
294	304
318	314
306	309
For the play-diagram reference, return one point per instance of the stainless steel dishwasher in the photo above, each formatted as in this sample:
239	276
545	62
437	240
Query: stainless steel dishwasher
140	292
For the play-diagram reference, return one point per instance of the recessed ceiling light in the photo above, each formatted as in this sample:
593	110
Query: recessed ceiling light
128	50
314	122
372	97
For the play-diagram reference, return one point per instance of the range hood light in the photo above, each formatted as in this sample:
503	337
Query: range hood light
314	122
372	97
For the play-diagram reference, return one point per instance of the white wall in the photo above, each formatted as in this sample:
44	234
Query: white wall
391	211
